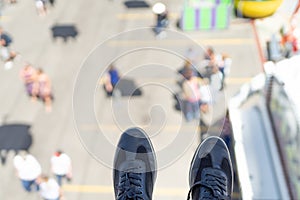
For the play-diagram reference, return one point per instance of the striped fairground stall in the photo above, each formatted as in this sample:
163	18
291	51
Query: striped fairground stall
205	15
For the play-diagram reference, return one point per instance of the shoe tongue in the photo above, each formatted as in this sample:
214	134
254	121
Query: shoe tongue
135	166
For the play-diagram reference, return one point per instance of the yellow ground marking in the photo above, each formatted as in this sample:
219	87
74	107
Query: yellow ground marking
114	127
171	129
109	190
142	16
229	80
237	81
87	188
180	42
4	18
165	128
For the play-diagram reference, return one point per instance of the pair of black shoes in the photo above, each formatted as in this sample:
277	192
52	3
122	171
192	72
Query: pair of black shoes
134	171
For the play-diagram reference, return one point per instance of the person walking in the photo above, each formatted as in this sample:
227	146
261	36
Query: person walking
49	188
223	63
41	7
112	80
28	170
162	19
44	89
7	55
211	63
191	95
28	75
61	166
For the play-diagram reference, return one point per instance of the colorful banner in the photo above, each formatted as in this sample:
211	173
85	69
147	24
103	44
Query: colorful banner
206	17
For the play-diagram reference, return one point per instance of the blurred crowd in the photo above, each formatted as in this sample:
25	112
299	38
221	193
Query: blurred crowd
38	87
199	76
199	79
36	81
29	171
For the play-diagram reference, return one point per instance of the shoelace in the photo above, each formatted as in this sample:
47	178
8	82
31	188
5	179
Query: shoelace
130	186
215	188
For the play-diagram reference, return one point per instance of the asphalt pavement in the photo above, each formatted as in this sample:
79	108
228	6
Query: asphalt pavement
73	68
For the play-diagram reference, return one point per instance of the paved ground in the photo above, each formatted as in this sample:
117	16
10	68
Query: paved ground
96	22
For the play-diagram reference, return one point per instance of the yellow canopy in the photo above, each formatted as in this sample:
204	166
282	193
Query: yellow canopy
257	8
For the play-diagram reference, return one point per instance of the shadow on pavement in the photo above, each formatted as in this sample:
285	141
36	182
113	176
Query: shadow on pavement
14	137
125	88
64	31
136	4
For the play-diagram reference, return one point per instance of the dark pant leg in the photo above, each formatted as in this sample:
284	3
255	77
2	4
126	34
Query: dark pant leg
27	185
196	109
59	179
223	78
188	110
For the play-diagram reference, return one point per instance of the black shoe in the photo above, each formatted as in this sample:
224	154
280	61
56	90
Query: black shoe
134	171
211	171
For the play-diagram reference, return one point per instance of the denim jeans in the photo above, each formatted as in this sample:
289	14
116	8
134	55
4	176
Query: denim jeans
28	184
191	110
59	179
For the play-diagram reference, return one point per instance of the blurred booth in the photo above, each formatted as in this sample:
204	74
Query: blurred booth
205	15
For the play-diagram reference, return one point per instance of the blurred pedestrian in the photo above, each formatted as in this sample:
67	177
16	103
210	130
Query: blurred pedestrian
162	19
224	65
288	41
191	95
29	77
44	89
41	7
206	96
209	54
112	80
7	55
49	188
28	170
227	131
188	65
61	166
210	60
184	71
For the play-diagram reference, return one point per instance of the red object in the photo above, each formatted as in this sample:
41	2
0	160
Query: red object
57	154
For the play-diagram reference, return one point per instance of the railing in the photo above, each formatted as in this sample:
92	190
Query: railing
286	133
